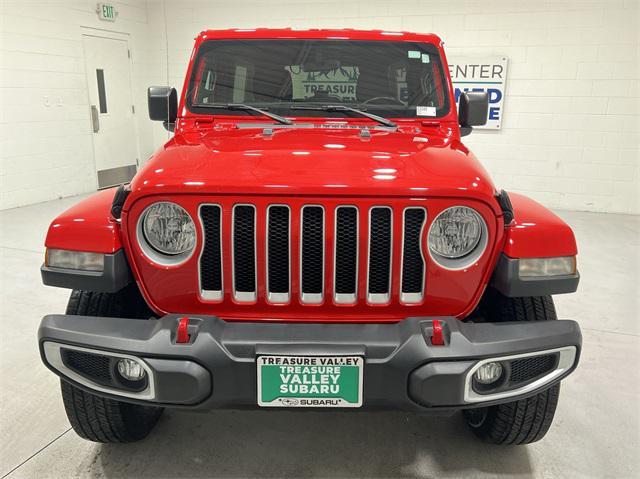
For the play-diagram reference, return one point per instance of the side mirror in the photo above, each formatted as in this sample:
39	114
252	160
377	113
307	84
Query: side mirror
473	110
163	105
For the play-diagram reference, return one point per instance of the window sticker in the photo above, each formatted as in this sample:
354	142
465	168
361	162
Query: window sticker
425	111
413	54
340	82
425	58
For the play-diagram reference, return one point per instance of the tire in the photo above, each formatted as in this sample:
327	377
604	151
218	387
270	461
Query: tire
93	417
526	420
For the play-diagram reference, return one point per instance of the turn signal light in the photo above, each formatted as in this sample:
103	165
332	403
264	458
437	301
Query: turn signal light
80	260
539	267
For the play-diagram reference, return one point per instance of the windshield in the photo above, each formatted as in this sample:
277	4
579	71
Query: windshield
391	79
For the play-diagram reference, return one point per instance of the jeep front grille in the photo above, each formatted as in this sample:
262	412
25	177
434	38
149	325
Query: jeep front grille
329	260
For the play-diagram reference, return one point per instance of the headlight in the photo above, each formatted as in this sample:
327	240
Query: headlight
168	229
455	232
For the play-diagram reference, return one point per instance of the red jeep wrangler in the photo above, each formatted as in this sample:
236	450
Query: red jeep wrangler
314	235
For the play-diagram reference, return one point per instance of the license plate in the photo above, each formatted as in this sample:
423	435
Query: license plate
310	381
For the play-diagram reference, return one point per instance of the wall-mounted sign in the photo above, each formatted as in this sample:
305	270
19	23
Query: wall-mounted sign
484	74
106	12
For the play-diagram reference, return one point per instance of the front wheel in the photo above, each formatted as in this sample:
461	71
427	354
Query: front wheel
94	417
526	420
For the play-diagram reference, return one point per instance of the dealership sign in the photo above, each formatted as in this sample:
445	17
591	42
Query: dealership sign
487	74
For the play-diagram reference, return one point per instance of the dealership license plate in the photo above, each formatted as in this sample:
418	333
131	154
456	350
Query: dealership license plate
310	381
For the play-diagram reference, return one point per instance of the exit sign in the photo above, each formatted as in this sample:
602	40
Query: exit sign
107	12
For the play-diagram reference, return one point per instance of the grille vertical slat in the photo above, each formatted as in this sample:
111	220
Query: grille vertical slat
211	258
244	252
312	254
278	261
413	265
380	242
346	254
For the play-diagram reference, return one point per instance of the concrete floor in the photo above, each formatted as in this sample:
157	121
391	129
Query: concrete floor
595	433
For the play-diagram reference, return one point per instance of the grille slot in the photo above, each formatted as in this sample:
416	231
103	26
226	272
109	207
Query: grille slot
211	258
278	261
527	369
413	266
346	251
312	254
380	242
244	252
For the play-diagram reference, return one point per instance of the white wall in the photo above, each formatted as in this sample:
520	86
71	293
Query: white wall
571	126
46	147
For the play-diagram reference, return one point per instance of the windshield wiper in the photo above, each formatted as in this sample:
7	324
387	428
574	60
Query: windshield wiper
243	107
331	108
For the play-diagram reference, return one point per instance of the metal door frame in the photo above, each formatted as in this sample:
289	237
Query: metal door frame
110	35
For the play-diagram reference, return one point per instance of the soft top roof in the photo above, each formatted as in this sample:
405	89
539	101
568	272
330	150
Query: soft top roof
317	33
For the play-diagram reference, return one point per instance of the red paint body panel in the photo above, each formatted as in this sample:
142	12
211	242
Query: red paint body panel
172	289
219	159
315	162
87	226
537	232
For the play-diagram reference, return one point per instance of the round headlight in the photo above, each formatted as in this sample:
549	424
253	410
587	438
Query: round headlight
168	228
455	232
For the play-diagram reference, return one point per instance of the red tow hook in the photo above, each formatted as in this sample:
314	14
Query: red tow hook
437	337
182	333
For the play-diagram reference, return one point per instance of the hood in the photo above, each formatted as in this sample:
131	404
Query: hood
317	161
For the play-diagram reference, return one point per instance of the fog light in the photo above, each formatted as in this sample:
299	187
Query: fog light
131	370
488	373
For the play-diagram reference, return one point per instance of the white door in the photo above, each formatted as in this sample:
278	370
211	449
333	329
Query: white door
111	100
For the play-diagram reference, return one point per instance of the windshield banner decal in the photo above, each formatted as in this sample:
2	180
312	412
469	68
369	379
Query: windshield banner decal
339	83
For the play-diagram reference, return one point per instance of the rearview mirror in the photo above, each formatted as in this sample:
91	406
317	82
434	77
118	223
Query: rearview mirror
163	105
473	110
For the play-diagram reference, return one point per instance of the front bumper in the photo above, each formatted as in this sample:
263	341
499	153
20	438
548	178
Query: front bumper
217	367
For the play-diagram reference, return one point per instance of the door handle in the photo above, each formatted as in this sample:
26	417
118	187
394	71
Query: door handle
95	119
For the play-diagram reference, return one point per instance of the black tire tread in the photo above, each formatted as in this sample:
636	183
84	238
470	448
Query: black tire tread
94	417
526	420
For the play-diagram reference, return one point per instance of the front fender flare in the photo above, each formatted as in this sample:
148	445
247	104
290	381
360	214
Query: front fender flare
87	226
535	232
90	227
